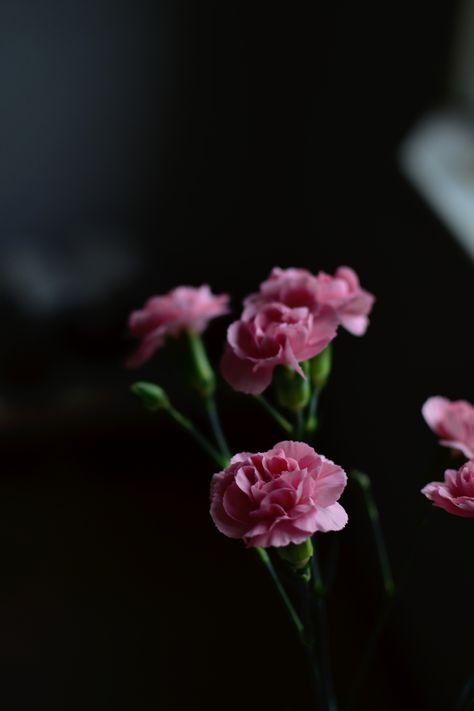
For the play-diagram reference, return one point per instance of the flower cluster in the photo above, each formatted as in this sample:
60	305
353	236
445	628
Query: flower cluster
453	421
279	498
282	496
292	318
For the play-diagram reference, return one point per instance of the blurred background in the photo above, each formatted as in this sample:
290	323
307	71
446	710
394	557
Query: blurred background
149	144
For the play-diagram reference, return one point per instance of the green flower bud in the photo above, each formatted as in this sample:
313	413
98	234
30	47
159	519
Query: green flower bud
298	556
152	396
292	391
320	367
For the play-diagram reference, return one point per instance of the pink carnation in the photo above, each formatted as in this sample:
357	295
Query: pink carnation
185	308
278	497
274	335
456	494
344	293
453	422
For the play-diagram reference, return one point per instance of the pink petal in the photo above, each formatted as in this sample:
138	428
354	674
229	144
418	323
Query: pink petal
224	523
332	518
433	411
296	450
349	275
241	375
461	446
330	483
357	325
145	350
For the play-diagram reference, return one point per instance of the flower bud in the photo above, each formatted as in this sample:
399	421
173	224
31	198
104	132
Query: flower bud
292	391
152	396
320	367
298	556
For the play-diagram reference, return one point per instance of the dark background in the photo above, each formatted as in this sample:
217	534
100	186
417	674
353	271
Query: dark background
149	144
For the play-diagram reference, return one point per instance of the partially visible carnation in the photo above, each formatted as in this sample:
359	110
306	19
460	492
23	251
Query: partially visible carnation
278	497
184	308
344	293
456	494
274	335
453	421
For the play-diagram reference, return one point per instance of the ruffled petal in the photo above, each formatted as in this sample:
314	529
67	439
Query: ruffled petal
331	518
242	376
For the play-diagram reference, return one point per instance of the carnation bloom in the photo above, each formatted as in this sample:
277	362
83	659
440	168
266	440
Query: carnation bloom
185	308
344	293
278	497
274	335
456	494
453	421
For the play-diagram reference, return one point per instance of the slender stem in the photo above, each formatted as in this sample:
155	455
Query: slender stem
376	633
320	592
300	425
188	427
204	381
331	568
368	653
466	699
214	420
202	376
318	583
318	688
312	421
364	483
273	412
294	617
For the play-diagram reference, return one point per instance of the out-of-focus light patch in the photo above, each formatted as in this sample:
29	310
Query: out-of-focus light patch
438	158
45	277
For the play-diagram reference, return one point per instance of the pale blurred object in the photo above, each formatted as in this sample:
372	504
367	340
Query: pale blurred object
45	277
437	156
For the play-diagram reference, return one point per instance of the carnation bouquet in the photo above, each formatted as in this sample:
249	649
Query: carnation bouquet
279	502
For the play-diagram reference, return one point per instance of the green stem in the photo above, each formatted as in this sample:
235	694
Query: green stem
376	633
204	381
216	426
312	421
364	483
273	412
190	429
202	376
293	615
319	587
320	593
300	426
333	559
466	699
366	658
318	688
